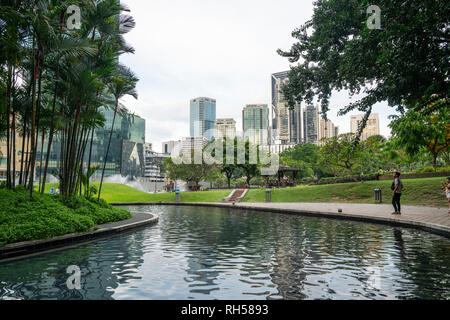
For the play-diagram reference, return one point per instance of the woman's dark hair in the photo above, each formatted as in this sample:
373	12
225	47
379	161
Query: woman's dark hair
397	173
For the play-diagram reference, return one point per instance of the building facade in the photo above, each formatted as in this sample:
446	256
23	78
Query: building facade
315	128
311	124
202	117
169	147
16	157
286	123
154	169
372	126
126	153
255	123
188	144
225	128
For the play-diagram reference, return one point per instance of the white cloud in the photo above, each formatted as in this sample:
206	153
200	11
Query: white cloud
222	49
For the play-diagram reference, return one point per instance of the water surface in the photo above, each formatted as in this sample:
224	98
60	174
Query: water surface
218	253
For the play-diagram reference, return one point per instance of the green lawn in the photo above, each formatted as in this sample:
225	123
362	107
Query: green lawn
425	192
120	193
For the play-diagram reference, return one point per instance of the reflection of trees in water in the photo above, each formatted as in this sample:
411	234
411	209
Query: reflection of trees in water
213	238
303	247
426	264
104	266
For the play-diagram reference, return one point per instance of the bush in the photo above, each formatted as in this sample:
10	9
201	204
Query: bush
45	216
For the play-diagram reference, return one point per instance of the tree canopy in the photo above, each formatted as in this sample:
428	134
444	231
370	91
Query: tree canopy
405	62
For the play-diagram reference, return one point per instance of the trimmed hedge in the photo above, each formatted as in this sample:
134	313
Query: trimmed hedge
45	216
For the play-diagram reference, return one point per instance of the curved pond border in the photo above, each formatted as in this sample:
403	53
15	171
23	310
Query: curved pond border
34	247
439	229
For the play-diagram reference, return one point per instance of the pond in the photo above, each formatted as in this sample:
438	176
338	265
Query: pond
220	253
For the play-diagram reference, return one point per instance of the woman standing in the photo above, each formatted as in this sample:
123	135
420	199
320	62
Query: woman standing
446	186
396	187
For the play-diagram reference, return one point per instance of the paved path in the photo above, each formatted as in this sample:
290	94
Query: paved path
437	218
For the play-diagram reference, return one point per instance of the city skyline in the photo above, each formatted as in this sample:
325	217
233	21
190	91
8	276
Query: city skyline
174	71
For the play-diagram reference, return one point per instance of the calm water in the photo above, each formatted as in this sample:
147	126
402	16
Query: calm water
206	253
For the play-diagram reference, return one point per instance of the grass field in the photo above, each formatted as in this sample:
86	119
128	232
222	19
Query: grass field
120	193
426	192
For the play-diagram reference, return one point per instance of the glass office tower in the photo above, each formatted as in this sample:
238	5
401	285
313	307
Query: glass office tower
202	117
255	122
126	154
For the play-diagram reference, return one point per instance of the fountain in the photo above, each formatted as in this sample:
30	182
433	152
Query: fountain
128	180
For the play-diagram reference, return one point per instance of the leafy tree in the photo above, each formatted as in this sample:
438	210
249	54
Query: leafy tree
250	169
304	157
340	154
418	130
404	63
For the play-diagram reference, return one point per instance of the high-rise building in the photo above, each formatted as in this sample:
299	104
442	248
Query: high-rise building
280	110
372	126
188	144
202	117
315	128
311	124
225	128
255	122
127	150
154	169
168	147
326	130
286	123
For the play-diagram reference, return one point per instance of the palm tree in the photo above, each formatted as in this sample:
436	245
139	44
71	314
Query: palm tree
123	83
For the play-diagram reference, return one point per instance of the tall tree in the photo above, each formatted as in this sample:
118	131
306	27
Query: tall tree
123	83
417	130
405	62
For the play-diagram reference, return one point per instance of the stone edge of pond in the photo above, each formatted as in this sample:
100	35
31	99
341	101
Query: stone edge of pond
391	221
30	248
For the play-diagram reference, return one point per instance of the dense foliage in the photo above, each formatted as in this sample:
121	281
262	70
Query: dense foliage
404	62
46	216
53	80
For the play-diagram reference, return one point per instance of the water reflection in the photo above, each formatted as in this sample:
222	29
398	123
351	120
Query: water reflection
212	253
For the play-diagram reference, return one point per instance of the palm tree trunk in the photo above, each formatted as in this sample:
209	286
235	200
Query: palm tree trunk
40	160
8	119
33	125
107	149
23	148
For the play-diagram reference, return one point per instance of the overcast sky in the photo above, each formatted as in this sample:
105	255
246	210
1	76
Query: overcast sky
223	49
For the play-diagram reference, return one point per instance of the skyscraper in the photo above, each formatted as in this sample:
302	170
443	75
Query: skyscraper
225	128
202	117
127	149
315	128
255	122
286	123
311	124
372	126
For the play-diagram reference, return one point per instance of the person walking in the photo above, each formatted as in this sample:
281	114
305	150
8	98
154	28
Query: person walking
446	186
397	187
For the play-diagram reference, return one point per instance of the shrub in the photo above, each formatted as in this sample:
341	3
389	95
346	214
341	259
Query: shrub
46	216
